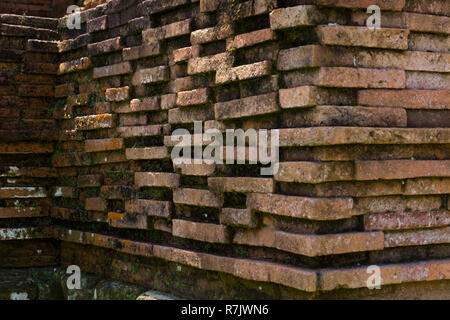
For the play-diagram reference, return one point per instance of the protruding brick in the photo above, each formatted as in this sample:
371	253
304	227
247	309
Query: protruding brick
406	220
412	99
401	169
200	231
149	207
241	184
118	94
157	179
303	15
197	197
112	70
144	76
237	217
363	37
147	153
251	106
301	207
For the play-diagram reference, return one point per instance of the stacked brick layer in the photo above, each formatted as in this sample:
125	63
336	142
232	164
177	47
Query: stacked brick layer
364	139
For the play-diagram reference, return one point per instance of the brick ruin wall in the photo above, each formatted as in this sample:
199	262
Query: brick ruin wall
86	175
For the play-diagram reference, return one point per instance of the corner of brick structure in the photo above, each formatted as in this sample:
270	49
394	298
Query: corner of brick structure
87	179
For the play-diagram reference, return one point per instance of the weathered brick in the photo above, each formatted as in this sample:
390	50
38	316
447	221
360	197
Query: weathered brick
193	169
346	116
352	135
394	5
143	51
95	204
313	172
406	220
21	212
186	53
408	60
251	106
209	5
209	63
172	30
149	207
313	56
193	97
142	131
401	169
97	24
250	39
427	186
331	279
360	78
216	33
303	15
137	105
412	99
237	217
301	207
90	180
118	94
241	184
112	70
99	145
144	76
94	122
417	237
75	65
106	46
116	192
395	204
363	37
249	71
197	197
308	96
312	245
132	120
156	179
22	192
200	231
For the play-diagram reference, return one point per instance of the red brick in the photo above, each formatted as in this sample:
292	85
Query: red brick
363	37
394	5
250	106
294	17
241	184
401	169
149	207
200	231
147	153
99	145
193	97
118	94
95	204
411	99
250	39
197	197
314	172
143	51
406	220
112	70
301	207
157	179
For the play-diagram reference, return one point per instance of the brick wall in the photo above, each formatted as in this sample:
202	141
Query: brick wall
364	146
40	8
27	135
